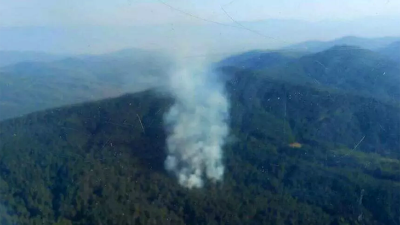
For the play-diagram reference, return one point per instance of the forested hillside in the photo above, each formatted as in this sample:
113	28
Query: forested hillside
258	59
178	112
296	155
342	68
31	86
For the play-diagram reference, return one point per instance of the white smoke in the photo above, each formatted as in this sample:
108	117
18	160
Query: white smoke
197	126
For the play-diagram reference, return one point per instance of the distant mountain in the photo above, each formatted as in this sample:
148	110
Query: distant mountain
298	155
31	86
12	57
258	59
367	43
264	34
341	68
392	51
350	69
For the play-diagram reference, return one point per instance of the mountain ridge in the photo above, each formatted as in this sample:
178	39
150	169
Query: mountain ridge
345	68
367	43
12	57
29	86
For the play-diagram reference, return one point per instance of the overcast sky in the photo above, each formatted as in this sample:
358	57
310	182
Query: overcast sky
141	12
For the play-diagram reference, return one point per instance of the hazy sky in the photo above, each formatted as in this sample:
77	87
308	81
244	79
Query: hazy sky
95	26
141	12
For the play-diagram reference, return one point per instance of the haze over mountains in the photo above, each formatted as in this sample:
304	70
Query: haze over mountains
204	37
313	140
366	43
13	57
31	86
38	81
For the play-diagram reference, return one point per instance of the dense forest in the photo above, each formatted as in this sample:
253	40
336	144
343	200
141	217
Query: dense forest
298	153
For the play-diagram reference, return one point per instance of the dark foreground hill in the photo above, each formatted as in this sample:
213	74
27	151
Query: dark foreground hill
296	155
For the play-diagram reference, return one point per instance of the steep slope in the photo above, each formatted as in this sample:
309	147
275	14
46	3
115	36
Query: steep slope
31	86
95	163
367	43
392	51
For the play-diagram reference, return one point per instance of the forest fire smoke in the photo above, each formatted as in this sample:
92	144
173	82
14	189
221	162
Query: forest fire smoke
197	126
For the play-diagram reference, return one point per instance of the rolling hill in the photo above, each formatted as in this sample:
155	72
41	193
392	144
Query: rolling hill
31	86
298	155
341	68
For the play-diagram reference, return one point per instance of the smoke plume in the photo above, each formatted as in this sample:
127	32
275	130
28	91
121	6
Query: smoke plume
197	126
